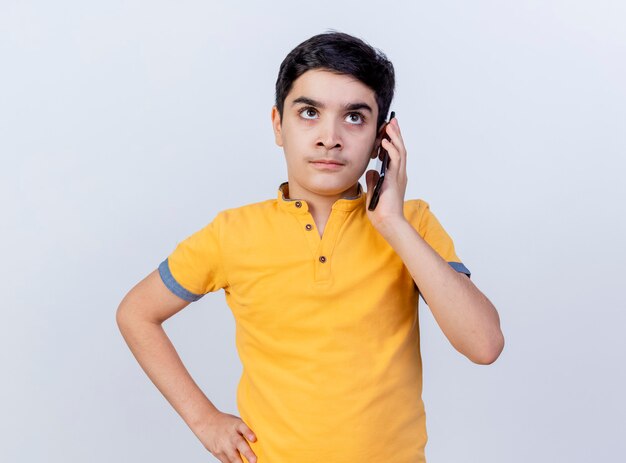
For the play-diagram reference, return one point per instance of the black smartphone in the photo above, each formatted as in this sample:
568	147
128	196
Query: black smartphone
383	157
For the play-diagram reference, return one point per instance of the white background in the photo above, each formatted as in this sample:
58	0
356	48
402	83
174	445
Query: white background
126	126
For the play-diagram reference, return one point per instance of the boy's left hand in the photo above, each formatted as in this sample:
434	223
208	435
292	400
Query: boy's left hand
390	207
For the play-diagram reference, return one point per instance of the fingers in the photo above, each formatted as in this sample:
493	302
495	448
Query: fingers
242	444
242	447
246	431
395	160
226	439
397	151
239	447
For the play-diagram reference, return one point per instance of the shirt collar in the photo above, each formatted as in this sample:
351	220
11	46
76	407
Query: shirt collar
300	206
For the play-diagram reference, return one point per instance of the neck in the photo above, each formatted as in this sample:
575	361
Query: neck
320	205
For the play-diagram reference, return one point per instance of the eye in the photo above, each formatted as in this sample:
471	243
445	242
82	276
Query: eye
360	116
355	118
307	110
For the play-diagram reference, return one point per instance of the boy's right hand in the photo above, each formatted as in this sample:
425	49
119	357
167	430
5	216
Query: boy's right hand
225	437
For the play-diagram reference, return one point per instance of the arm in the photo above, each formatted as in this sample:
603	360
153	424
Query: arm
467	318
139	317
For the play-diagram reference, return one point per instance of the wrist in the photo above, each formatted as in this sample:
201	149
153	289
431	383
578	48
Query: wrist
390	227
202	415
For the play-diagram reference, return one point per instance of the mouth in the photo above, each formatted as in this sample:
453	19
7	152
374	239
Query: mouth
327	165
327	161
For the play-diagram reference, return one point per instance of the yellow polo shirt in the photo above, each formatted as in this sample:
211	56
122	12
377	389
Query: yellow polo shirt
327	328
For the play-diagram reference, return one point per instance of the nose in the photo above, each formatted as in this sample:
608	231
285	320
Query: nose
329	136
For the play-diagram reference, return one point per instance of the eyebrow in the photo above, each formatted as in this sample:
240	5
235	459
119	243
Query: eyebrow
318	104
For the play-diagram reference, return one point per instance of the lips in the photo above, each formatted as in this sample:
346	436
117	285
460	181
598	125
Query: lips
327	165
323	161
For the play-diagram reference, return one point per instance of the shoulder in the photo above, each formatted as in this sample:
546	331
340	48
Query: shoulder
414	209
258	207
247	214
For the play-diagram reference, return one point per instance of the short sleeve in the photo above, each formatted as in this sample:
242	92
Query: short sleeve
195	266
434	234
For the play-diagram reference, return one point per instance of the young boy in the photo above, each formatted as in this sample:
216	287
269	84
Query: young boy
324	291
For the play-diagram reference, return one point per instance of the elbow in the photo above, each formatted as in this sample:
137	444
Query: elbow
121	317
490	355
127	321
124	315
132	314
493	342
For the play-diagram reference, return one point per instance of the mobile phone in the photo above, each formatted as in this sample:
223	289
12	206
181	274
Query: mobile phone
383	158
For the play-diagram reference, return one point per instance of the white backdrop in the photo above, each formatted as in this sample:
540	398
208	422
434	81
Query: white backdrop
127	125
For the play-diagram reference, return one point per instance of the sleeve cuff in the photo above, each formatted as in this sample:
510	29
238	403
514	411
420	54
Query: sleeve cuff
459	267
173	285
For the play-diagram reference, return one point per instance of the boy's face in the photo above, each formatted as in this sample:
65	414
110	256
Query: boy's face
326	117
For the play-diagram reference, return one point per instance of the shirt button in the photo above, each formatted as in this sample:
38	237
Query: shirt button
298	204
322	259
308	226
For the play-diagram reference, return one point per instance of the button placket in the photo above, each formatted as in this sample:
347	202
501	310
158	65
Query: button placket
321	247
327	243
307	227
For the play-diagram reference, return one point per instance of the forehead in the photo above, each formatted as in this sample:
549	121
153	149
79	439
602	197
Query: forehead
334	90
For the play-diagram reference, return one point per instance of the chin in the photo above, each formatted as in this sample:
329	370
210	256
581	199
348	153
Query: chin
330	187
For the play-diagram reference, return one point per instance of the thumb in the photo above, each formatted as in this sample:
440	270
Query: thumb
371	177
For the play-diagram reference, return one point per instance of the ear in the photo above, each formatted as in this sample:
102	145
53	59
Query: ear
277	126
374	153
377	141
